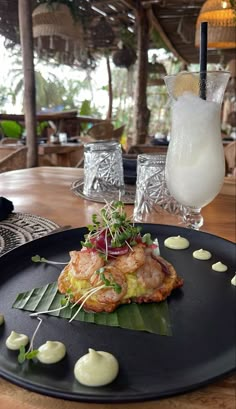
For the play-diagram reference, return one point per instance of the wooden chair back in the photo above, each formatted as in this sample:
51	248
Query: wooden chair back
101	131
6	149
15	160
118	132
6	140
230	157
77	157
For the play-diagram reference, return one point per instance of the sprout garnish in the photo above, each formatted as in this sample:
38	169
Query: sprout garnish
65	301
31	352
108	283
38	259
112	231
146	239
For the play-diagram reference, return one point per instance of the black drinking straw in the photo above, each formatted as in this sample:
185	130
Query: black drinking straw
203	59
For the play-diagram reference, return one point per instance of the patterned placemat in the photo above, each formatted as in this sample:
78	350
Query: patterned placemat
19	228
77	189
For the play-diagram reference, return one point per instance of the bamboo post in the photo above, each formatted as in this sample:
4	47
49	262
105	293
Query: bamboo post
27	47
109	112
141	111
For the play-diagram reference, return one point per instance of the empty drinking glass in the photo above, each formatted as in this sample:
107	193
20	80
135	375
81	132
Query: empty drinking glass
103	170
152	195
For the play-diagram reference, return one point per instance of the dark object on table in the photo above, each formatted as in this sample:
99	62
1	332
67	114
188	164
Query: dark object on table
6	207
130	170
159	141
73	139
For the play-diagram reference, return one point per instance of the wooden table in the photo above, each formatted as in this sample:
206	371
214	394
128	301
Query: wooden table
67	154
46	192
60	119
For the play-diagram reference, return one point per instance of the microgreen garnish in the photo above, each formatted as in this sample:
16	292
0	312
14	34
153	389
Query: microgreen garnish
146	238
64	303
106	283
31	352
38	259
109	282
86	244
23	355
112	229
67	298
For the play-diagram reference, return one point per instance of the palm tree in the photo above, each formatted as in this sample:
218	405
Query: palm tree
50	91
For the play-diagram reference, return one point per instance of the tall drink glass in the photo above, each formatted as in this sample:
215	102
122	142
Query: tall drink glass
195	164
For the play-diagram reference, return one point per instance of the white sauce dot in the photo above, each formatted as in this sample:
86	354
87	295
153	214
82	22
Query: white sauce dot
233	281
96	368
220	267
16	340
2	320
202	254
176	243
51	352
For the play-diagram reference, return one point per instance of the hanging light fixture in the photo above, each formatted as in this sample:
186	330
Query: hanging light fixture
102	34
56	34
221	20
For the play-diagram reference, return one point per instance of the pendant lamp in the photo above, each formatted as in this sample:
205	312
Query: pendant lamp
56	34
221	18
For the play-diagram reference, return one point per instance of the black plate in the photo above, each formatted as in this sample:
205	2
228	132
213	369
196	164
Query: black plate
201	350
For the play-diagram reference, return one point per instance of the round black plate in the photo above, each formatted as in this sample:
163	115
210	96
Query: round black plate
201	349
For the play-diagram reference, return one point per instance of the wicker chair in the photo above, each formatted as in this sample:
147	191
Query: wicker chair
101	131
15	160
6	140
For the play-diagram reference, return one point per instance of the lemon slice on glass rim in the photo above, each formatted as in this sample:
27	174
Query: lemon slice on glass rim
185	82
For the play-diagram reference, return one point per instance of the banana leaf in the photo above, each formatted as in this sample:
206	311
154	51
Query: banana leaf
153	317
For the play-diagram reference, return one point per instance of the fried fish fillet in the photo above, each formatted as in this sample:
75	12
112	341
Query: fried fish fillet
138	276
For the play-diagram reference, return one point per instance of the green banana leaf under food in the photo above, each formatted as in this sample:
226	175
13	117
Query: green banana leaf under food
153	317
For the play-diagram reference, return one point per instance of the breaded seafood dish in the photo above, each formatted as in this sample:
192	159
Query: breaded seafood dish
116	265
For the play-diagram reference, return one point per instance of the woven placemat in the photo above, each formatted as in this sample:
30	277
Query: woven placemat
128	198
19	228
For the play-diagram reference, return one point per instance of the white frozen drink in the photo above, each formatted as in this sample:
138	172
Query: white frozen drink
195	164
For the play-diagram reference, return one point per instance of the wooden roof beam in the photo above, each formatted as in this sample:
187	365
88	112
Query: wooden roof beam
155	23
133	4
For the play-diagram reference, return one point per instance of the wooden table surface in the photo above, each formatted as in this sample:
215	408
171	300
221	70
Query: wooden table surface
46	192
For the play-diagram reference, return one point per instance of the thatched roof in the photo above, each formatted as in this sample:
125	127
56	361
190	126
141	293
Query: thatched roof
175	21
178	19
